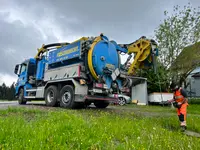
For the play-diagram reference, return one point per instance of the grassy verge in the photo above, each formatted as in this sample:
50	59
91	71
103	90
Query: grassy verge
96	129
194	101
193	108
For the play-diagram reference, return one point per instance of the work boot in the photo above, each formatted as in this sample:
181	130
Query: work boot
183	128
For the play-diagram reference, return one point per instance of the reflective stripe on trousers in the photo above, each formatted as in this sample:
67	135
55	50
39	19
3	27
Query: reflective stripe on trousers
182	113
178	97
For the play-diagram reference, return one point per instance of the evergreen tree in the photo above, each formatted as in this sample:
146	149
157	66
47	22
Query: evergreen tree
12	91
6	92
1	92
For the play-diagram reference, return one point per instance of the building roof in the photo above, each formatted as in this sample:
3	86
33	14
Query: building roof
196	70
196	75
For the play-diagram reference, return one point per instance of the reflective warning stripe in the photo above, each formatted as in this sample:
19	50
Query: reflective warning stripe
178	97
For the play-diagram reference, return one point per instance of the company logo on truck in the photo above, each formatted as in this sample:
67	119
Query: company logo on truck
68	51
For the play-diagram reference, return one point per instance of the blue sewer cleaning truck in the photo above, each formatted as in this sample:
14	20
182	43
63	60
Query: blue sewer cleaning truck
88	70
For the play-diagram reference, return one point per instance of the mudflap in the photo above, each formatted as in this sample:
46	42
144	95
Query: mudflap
79	98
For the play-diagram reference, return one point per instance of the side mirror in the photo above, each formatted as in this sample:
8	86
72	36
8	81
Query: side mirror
17	69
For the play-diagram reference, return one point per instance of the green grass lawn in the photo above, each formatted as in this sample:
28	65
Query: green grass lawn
137	127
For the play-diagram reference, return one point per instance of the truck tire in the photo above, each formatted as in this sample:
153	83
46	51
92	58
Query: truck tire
67	97
101	104
51	96
21	99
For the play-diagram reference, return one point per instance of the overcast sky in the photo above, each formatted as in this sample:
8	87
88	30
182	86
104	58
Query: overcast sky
26	25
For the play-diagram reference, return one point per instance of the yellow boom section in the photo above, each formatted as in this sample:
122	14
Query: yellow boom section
90	65
40	50
142	49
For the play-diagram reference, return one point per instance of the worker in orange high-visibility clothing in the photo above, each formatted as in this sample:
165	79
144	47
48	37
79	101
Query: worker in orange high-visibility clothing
180	101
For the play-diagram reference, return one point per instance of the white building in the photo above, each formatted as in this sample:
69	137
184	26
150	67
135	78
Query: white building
193	79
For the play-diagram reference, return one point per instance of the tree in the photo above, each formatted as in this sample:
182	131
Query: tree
7	93
156	82
12	92
177	31
4	91
1	92
187	61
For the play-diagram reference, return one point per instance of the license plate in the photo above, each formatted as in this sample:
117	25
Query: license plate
97	90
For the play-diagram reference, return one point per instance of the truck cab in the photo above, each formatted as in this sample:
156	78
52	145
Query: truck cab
26	72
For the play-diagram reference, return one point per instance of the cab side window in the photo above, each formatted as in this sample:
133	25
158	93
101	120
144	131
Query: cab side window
23	69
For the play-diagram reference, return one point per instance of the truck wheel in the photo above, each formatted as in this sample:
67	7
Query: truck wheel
101	104
67	97
21	99
51	95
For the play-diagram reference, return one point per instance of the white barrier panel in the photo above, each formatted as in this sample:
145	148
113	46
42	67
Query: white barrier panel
160	97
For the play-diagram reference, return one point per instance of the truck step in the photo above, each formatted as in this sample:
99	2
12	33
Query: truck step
30	97
31	90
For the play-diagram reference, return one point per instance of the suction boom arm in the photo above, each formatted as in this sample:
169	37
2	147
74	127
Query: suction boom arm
145	52
48	47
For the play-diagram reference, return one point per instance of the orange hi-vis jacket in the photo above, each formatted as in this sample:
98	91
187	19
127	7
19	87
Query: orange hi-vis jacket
178	96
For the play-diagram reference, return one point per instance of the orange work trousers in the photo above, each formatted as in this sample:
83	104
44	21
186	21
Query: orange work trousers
182	113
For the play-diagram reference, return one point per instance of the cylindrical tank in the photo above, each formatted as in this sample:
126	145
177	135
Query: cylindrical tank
103	57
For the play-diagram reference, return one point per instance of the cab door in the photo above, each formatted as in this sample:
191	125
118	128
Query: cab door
23	74
21	71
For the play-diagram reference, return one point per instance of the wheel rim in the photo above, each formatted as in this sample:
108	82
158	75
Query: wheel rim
122	101
50	96
66	97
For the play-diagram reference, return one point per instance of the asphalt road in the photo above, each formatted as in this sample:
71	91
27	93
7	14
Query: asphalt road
6	104
31	104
